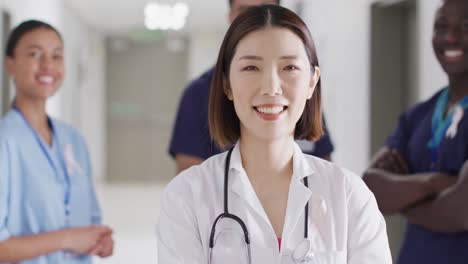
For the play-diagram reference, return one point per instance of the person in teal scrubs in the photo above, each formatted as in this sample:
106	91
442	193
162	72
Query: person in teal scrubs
48	207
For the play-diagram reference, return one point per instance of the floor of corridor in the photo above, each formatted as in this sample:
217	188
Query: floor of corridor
132	211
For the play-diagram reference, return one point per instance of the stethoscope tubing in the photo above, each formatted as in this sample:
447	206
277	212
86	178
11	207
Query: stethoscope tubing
234	217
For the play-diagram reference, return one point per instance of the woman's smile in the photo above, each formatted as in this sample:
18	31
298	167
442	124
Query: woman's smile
270	112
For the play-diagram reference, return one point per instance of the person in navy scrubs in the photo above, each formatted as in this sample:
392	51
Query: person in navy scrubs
49	213
422	172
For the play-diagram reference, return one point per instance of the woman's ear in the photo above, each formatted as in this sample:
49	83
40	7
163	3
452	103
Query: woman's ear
227	89
314	79
9	65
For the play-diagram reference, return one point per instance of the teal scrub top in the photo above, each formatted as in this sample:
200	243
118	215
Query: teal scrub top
44	188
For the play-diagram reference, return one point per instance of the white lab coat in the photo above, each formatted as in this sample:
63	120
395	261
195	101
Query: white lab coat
345	225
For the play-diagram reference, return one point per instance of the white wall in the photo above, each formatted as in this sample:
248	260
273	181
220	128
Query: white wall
80	101
50	11
341	29
83	93
203	51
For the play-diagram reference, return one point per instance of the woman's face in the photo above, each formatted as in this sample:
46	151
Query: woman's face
270	80
450	37
37	66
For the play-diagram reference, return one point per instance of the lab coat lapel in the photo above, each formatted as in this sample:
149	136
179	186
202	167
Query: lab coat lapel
242	188
319	216
298	195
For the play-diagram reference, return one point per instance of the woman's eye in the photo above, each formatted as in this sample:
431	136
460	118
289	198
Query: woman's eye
57	57
34	54
291	68
250	68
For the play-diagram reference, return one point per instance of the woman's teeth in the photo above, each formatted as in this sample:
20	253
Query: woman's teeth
270	110
46	79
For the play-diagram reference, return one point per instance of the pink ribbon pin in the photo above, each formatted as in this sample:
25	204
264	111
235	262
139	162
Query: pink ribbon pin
70	161
457	117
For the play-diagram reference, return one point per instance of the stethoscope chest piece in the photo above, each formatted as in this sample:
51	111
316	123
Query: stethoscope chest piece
303	252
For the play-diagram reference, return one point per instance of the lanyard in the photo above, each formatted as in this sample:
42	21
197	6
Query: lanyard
66	200
439	124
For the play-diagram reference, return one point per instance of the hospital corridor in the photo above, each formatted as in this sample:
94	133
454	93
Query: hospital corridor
124	99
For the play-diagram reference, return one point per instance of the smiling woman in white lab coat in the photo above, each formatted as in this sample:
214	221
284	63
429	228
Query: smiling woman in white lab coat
264	201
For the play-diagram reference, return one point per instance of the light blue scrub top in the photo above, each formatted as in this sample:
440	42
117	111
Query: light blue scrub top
33	183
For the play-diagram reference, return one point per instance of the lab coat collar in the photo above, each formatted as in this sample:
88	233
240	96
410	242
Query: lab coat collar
298	195
236	161
301	168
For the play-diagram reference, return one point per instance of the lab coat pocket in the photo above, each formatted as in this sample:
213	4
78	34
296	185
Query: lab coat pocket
264	254
328	257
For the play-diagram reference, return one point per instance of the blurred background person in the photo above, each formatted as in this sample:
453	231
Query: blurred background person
422	172
48	208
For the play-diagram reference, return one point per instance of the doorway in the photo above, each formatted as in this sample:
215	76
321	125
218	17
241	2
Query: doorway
5	95
393	80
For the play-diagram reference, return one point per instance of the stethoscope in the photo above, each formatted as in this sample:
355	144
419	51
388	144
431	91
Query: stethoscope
301	254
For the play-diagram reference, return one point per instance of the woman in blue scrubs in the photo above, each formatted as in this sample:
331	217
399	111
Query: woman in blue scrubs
422	172
48	207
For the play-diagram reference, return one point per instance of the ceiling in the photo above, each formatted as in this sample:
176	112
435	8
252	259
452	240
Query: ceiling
119	17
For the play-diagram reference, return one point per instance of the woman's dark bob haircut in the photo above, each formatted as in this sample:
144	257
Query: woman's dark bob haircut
22	29
223	122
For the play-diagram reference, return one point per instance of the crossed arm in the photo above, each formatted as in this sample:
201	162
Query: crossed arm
432	200
448	211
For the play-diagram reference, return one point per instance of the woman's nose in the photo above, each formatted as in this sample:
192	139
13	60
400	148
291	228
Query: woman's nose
271	84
